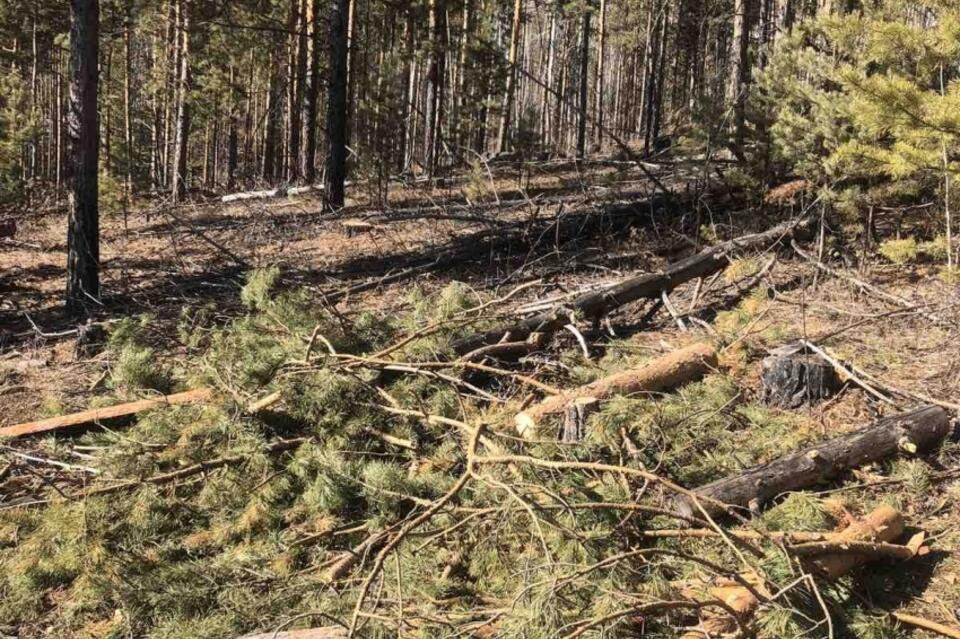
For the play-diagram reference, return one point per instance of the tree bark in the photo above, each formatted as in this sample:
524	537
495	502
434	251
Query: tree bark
508	100
311	95
83	233
601	62
650	286
917	430
180	177
740	69
337	105
584	82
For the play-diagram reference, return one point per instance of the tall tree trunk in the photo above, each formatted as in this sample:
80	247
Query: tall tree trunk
311	95
584	81
508	97
408	110
127	117
298	78
274	100
739	70
83	231
233	136
601	61
337	105
432	103
180	178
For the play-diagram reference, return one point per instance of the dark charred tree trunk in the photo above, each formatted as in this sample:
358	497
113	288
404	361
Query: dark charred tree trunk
337	105
83	232
918	430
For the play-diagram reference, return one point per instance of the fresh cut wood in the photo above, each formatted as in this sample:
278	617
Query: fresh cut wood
98	415
662	374
882	525
911	432
595	304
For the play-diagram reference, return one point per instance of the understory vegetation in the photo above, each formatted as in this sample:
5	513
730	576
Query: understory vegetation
292	535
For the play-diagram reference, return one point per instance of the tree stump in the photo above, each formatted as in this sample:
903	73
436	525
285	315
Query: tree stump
792	377
575	418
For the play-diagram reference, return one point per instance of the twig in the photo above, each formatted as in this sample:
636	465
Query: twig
926	624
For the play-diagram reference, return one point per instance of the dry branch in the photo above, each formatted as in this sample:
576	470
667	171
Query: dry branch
596	304
99	415
664	373
920	429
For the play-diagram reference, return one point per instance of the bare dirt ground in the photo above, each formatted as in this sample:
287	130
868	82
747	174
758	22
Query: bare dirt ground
159	261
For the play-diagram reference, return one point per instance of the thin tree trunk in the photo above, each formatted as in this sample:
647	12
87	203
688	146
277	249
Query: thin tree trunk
337	105
83	233
127	117
601	61
311	95
508	97
739	70
180	178
584	81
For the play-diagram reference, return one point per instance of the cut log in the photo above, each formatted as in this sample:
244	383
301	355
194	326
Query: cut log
885	524
329	632
109	413
918	430
596	304
355	227
662	374
792	377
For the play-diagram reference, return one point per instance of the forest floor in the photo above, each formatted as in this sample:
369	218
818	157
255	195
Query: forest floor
158	262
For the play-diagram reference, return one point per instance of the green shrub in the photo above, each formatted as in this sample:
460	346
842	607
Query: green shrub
900	251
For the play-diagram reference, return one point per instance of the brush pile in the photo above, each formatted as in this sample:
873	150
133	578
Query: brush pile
359	476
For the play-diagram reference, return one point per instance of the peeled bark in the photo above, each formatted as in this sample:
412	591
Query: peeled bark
98	415
648	286
662	374
918	430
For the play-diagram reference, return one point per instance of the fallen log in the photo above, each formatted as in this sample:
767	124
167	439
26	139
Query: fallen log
913	431
662	374
883	525
596	304
109	413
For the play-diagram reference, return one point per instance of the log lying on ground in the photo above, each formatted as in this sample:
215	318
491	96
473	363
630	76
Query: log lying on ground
913	431
662	374
648	286
885	524
109	413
